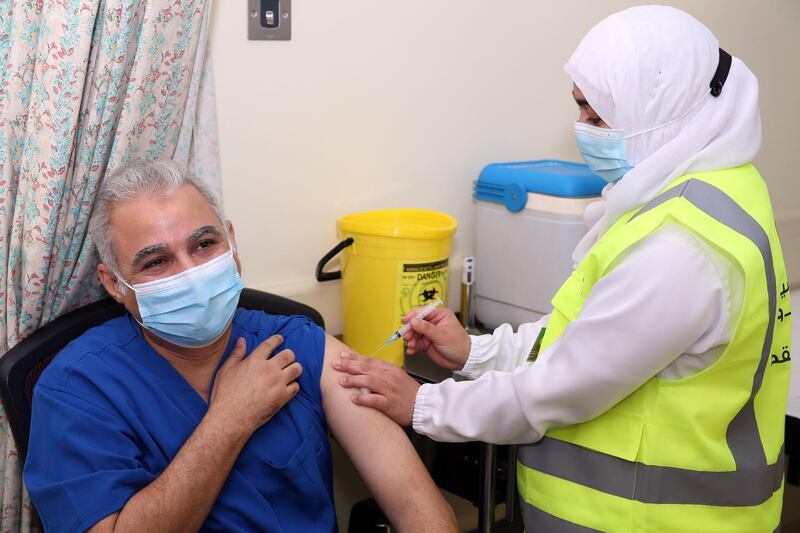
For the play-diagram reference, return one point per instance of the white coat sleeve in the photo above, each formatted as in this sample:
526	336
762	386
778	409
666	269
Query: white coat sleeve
662	298
502	350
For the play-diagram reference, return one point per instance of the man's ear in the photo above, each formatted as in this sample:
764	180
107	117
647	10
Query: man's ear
110	282
232	234
234	248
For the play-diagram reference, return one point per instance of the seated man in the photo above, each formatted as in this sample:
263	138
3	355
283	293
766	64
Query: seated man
190	413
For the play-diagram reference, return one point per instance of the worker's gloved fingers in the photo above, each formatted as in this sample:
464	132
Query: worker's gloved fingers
394	397
430	335
411	345
362	382
353	363
448	340
420	344
412	337
347	362
370	399
425	329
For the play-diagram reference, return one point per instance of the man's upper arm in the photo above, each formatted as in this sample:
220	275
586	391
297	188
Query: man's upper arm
382	453
367	435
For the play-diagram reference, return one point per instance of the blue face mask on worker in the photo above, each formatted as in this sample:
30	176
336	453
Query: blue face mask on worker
191	309
603	149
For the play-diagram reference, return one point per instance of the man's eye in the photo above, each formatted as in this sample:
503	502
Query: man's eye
205	244
155	263
595	120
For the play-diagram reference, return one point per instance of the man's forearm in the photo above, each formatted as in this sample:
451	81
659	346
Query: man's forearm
182	496
421	509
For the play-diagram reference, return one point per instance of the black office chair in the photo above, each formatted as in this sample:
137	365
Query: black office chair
21	366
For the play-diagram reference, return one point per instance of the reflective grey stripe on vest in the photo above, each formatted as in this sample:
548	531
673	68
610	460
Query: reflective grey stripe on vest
651	484
754	481
537	521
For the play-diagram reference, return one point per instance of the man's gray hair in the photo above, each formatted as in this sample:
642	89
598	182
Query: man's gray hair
128	182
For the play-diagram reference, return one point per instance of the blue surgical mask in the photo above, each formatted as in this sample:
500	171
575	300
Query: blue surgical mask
194	308
603	149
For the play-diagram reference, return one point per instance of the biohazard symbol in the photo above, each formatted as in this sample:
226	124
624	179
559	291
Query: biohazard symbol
421	284
428	295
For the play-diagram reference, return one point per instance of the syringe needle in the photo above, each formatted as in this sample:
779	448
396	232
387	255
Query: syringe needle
382	346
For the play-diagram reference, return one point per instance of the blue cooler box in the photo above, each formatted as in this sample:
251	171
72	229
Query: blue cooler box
528	220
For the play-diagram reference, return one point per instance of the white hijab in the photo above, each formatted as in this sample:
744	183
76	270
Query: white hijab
650	67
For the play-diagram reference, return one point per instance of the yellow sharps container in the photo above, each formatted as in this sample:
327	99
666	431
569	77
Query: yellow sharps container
393	260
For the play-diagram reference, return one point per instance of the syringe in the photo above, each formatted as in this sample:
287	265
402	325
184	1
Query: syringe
425	311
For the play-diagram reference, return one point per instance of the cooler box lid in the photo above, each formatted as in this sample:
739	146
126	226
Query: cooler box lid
510	183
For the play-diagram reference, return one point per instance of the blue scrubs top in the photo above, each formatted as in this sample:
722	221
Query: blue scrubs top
109	413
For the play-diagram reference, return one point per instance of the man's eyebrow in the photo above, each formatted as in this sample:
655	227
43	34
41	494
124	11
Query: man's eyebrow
154	249
205	230
146	252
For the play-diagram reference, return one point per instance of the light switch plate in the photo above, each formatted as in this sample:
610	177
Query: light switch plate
269	20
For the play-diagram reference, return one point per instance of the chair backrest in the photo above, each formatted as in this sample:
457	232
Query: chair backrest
22	365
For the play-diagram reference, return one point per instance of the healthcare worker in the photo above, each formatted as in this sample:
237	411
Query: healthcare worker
652	398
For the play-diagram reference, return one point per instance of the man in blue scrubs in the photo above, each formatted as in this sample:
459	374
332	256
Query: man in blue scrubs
190	413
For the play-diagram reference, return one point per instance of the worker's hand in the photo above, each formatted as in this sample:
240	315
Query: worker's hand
389	388
248	391
440	335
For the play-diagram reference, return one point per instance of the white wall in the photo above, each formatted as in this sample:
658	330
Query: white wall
400	104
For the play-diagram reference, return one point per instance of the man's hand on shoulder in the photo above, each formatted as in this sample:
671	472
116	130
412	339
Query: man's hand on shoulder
248	391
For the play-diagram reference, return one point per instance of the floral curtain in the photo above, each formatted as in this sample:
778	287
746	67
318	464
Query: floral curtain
85	85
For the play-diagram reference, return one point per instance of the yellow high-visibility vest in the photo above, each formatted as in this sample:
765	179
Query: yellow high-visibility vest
702	453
